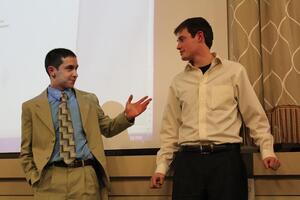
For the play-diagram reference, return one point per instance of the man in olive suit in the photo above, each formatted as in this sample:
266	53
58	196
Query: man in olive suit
46	168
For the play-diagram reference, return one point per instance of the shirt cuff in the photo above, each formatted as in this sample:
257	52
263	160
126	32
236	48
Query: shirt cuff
267	153
162	168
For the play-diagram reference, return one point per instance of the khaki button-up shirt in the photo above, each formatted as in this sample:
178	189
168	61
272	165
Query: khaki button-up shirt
210	107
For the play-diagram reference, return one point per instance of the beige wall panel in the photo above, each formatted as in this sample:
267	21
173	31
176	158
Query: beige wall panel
290	164
277	198
11	168
138	187
131	165
140	198
111	198
14	187
131	175
278	187
16	197
118	166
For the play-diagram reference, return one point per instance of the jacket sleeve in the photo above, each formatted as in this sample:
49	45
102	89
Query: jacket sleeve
111	127
26	156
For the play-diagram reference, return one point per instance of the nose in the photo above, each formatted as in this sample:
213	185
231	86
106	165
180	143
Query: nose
178	47
75	74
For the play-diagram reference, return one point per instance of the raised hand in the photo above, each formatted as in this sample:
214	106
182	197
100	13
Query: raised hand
133	110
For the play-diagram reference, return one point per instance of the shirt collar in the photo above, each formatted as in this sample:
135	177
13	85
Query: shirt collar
56	94
217	60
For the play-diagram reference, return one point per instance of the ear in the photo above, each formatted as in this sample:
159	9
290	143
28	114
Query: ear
52	71
200	36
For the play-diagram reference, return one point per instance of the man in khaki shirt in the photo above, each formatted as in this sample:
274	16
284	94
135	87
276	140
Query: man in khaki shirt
202	121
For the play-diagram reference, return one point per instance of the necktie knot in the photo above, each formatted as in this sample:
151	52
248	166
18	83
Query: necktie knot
64	97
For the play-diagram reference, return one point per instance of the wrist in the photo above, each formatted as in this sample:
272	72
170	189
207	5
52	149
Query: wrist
130	119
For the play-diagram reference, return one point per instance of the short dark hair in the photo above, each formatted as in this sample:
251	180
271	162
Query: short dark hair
196	24
54	57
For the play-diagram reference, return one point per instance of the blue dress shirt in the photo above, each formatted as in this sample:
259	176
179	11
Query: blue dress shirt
82	150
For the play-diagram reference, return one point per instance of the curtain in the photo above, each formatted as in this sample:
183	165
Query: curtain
264	36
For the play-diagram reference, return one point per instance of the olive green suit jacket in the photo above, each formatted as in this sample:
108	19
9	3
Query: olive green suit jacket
38	135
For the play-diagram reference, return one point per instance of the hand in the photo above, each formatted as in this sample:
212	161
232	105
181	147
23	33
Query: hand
271	162
133	110
157	180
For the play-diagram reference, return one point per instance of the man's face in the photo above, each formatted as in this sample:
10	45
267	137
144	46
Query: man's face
65	76
187	45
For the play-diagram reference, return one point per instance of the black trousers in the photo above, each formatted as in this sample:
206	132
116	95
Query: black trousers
214	176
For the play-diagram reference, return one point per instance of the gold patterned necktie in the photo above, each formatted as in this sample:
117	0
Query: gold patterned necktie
66	131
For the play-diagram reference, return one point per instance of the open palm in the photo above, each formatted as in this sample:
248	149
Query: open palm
133	110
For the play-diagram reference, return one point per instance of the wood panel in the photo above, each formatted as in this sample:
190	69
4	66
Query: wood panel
290	164
110	198
131	165
130	179
16	197
137	187
277	198
14	187
140	198
280	187
11	168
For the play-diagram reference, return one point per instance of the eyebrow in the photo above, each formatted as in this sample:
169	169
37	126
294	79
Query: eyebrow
181	37
71	66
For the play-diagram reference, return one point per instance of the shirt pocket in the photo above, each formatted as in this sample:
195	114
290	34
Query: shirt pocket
221	97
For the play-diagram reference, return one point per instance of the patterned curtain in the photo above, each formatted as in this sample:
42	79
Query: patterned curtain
264	36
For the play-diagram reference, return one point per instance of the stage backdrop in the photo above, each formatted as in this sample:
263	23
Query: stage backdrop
123	47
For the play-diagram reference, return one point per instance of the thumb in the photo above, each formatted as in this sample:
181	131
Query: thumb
266	163
129	99
161	180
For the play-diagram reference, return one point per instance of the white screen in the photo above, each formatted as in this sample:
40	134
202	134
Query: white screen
114	61
115	52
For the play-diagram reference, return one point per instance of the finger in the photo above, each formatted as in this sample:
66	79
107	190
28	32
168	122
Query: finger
146	102
161	180
278	163
275	165
142	99
266	163
272	163
154	181
129	99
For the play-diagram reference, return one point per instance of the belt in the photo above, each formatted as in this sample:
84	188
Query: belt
74	164
210	148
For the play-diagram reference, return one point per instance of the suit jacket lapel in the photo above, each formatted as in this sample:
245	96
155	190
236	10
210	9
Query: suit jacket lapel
83	107
43	111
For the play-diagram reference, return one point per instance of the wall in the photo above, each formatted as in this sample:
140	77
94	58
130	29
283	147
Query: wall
130	177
